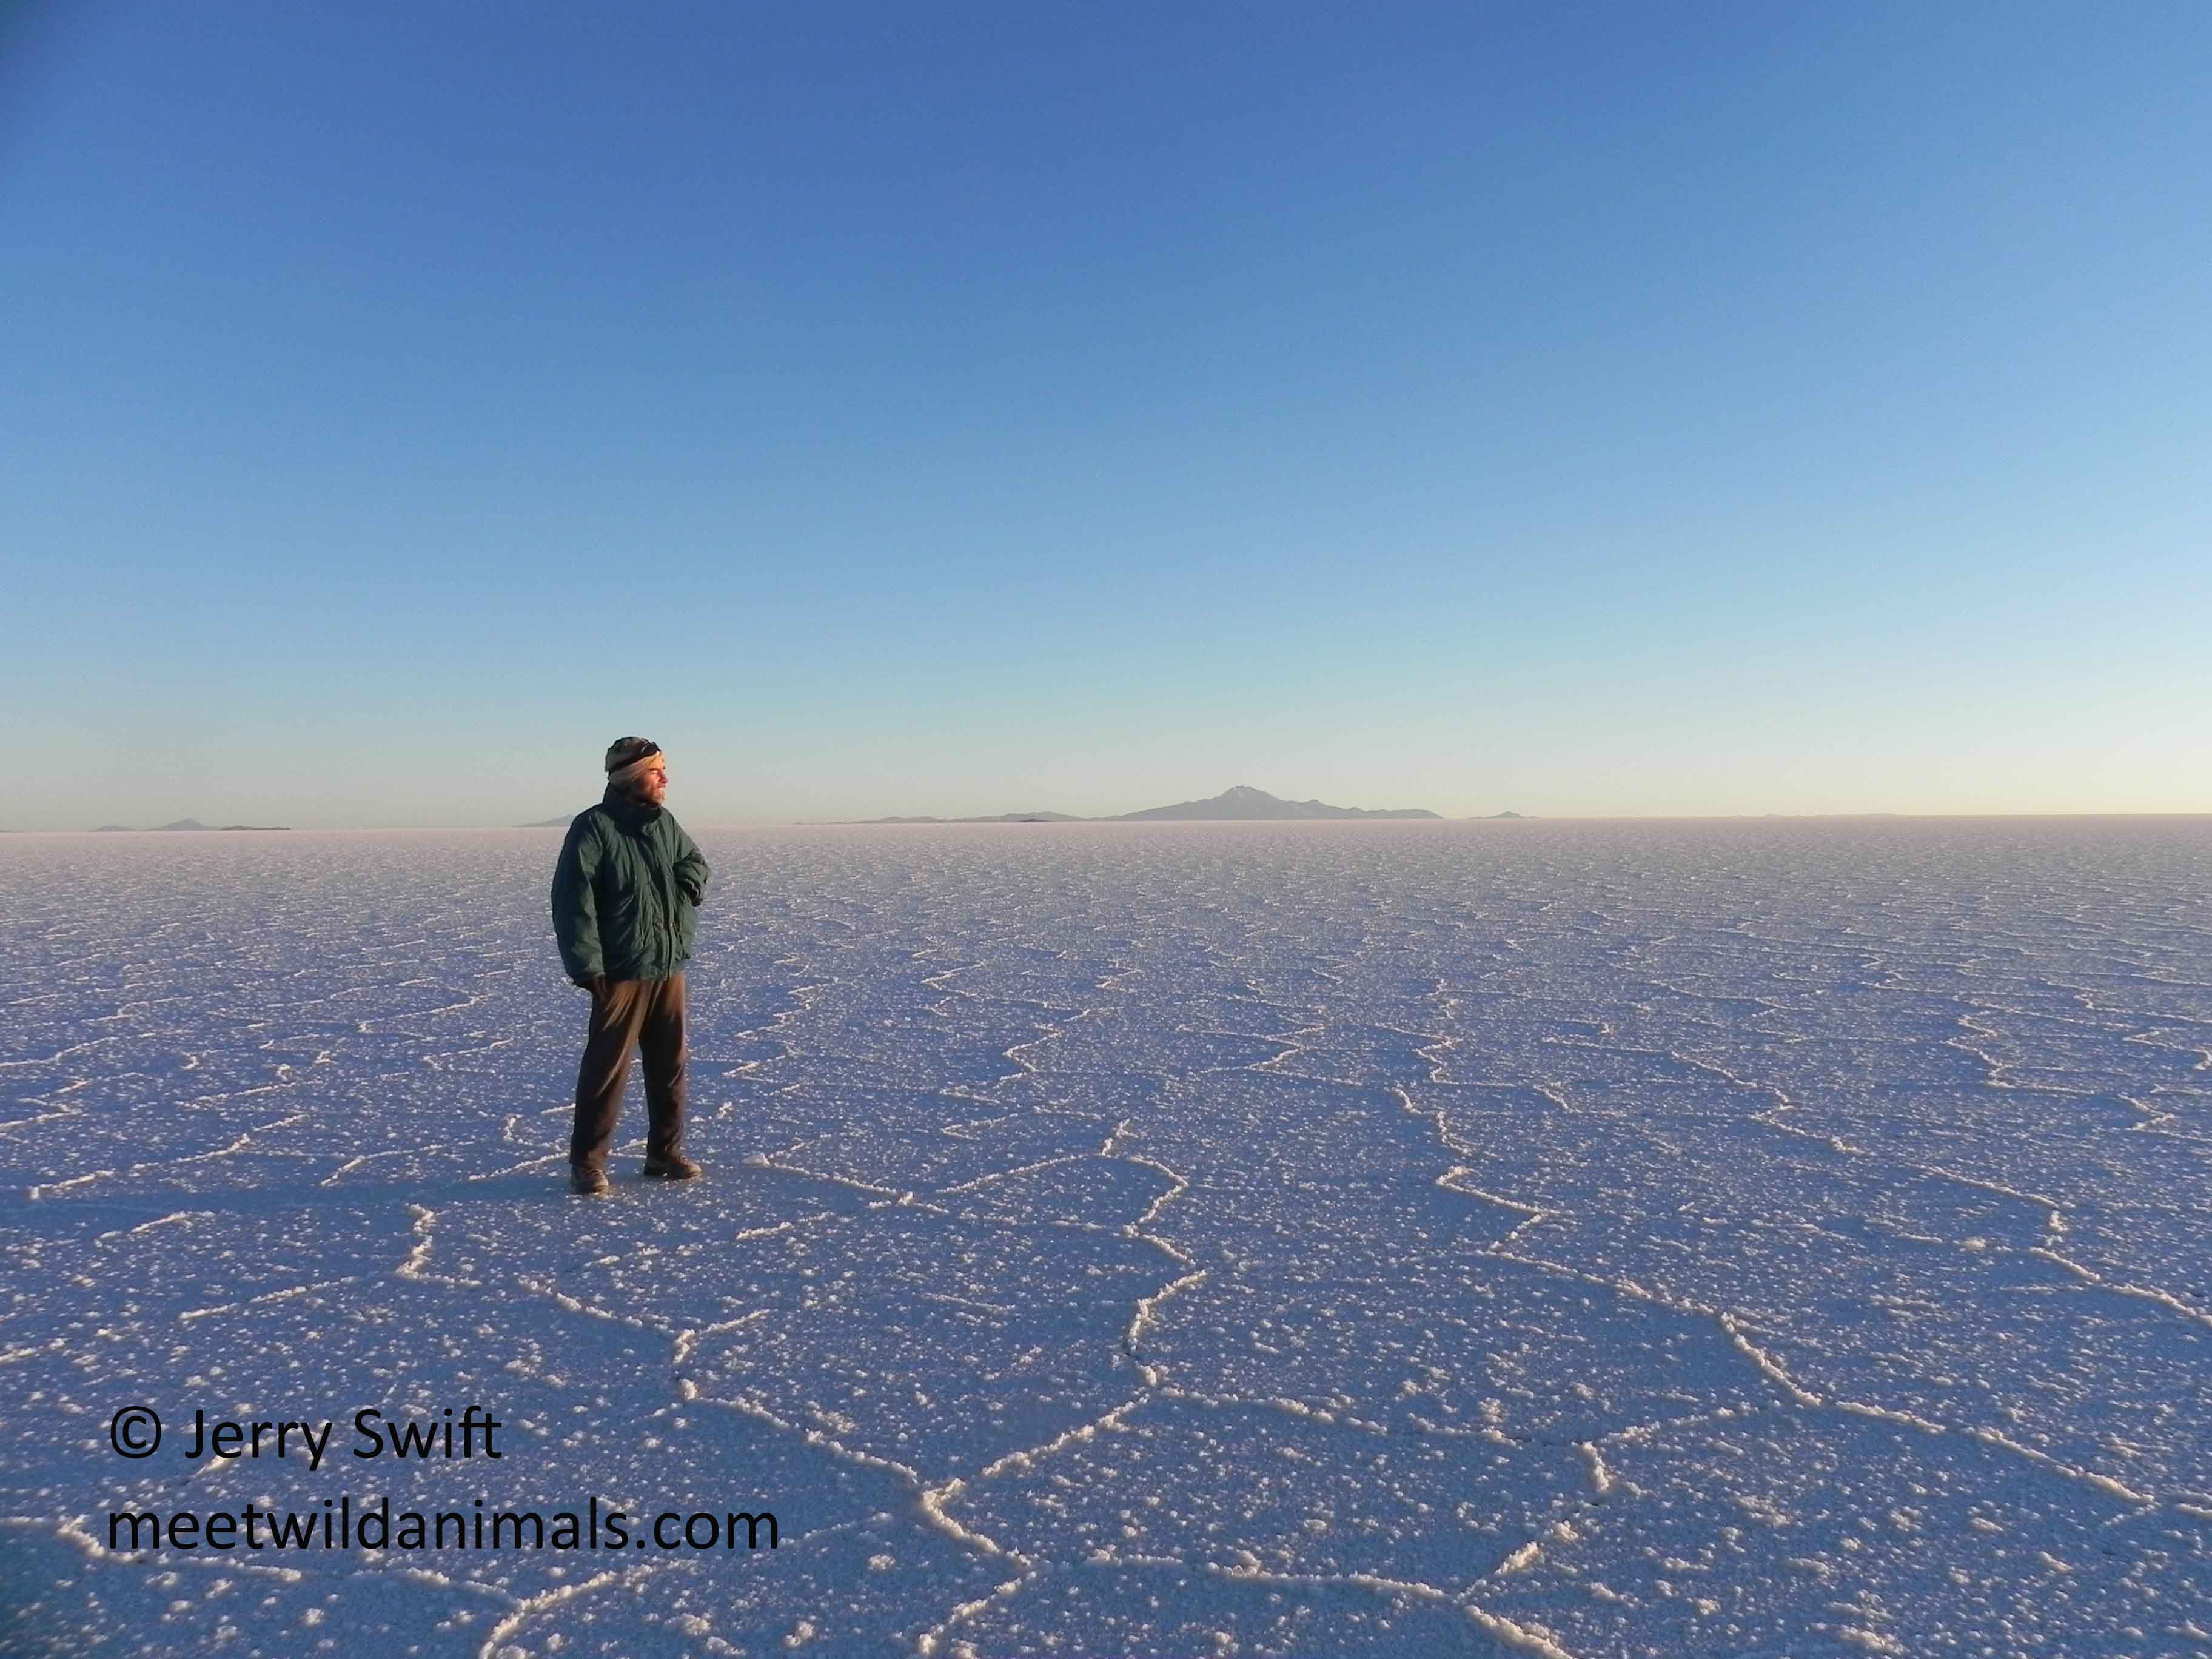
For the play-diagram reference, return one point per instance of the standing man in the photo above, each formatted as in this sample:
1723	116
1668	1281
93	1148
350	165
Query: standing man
625	906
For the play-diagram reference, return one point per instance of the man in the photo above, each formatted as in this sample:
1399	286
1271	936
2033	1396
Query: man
625	906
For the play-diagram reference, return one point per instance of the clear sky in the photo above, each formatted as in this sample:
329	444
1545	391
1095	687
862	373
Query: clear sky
938	408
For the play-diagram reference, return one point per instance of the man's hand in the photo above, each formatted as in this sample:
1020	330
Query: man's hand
596	984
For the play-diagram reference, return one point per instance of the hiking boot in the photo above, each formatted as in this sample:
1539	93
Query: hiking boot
585	1180
674	1167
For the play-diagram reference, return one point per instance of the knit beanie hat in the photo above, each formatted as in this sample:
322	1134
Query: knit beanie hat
627	757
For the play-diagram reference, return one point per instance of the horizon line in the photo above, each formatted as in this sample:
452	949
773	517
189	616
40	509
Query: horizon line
1014	822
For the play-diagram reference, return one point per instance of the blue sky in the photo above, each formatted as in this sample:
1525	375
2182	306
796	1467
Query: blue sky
946	409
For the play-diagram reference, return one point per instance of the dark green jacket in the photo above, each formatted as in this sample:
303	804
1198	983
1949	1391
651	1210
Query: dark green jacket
626	893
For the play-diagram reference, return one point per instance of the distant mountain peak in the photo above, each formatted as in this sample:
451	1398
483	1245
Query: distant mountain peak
1240	802
189	824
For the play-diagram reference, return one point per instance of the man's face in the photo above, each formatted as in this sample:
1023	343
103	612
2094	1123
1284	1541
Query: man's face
652	785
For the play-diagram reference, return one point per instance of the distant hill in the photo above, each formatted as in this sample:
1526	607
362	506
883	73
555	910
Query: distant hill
996	817
190	823
1244	802
1508	815
1241	803
561	822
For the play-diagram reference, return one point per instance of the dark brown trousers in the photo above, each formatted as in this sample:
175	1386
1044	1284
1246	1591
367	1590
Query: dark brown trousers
644	1014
